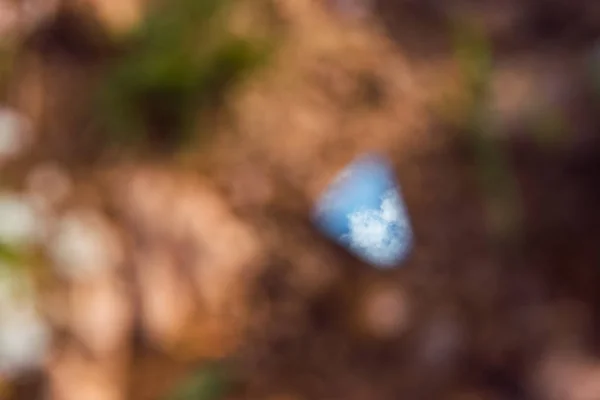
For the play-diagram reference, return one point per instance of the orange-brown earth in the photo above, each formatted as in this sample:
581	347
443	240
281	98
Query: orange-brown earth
215	256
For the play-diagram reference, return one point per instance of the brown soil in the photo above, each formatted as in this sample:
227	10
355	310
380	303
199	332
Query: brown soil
483	310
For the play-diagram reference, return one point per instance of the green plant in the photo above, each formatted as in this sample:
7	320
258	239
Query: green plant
9	255
495	176
181	64
207	383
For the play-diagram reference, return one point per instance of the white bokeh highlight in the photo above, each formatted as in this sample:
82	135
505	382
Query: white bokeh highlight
20	223
83	245
24	335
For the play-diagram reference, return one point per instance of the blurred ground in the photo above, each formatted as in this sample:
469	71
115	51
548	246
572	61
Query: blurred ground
154	252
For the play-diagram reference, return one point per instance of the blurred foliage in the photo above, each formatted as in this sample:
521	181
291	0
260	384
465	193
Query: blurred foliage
180	64
15	273
207	383
474	54
24	259
9	255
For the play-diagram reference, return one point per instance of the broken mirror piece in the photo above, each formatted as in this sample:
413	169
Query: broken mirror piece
363	210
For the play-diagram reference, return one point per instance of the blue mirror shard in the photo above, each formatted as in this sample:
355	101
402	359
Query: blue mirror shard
363	210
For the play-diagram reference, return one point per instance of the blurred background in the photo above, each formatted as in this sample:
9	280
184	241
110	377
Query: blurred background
159	161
